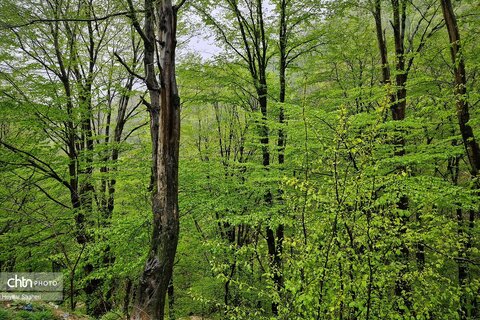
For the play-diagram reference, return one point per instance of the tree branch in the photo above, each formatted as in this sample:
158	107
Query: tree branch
179	5
135	22
94	19
37	163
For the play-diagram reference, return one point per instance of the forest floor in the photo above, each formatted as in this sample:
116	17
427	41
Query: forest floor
35	311
48	311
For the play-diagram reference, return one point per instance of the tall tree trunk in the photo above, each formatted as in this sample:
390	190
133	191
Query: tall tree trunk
159	37
398	107
470	144
283	39
402	287
275	237
271	235
255	54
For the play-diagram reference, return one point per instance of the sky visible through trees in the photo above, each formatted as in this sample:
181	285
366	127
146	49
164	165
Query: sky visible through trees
242	159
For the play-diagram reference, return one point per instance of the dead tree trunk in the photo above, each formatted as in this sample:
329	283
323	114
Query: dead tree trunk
159	39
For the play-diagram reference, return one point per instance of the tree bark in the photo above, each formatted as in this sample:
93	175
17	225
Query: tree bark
159	38
468	137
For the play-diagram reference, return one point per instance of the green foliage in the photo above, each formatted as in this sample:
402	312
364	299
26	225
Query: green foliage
9	314
113	316
348	165
4	314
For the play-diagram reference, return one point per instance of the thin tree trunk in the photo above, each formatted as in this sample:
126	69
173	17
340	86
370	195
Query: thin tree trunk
275	237
398	107
171	300
402	287
126	300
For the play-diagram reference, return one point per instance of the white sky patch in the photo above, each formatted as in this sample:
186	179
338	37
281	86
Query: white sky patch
201	39
204	47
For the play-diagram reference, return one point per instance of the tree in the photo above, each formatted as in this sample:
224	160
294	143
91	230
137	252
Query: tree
398	100
325	167
159	41
468	137
78	91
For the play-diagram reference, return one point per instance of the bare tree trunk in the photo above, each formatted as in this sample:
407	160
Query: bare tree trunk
159	38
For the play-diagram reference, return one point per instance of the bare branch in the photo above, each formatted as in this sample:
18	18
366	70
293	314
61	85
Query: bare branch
132	15
37	163
179	5
94	19
133	130
133	73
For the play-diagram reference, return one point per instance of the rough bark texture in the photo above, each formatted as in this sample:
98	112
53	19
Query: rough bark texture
402	287
159	37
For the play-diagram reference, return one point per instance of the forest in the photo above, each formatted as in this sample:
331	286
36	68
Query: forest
242	159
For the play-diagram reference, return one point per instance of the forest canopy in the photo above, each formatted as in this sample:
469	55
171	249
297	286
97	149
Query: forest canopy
243	159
